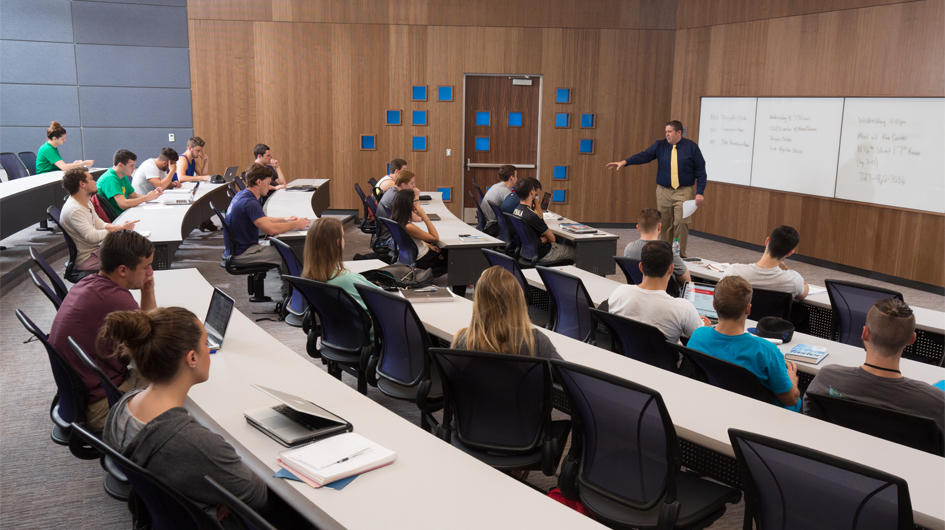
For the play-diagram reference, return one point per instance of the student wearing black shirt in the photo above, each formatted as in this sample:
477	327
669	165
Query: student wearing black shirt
529	211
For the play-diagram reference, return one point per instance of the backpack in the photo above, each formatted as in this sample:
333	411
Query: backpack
399	275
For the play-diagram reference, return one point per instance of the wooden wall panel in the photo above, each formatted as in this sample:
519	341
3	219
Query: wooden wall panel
701	13
229	10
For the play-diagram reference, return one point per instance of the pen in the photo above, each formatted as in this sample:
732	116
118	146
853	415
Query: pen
349	457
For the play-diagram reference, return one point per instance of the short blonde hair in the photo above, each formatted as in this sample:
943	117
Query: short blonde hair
891	324
732	297
403	177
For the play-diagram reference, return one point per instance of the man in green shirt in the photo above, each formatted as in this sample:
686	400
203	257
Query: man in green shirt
114	186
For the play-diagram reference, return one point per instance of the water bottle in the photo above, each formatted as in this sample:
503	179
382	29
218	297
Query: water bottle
676	246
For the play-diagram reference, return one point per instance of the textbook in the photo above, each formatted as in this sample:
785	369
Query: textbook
577	228
335	458
427	294
806	353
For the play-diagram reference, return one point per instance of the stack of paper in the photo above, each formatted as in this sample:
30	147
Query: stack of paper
335	458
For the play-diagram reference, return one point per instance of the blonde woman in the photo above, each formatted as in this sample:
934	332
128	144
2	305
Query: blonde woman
500	321
324	263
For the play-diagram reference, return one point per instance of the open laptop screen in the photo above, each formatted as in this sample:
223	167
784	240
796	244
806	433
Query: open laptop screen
545	201
701	295
218	316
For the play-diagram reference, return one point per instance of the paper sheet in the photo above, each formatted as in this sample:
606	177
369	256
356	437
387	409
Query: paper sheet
689	208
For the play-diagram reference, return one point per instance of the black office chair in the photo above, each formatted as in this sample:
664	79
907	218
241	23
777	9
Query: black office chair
45	289
102	207
168	509
917	432
29	161
402	353
240	183
765	303
480	217
528	251
381	241
406	248
726	375
255	272
791	487
498	409
505	229
344	326
71	273
538	316
637	340
850	303
367	223
250	518
479	194
13	166
631	270
624	462
372	181
294	310
570	305
57	284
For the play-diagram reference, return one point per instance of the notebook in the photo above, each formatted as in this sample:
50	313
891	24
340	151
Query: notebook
335	458
433	216
701	295
577	228
295	421
218	317
427	294
806	353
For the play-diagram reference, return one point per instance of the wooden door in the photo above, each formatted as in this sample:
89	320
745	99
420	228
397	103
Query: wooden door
509	135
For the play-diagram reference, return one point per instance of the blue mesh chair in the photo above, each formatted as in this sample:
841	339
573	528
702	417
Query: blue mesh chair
372	181
765	303
255	272
917	432
624	462
726	375
637	340
46	289
480	217
345	328
406	248
505	229
296	307
71	273
479	194
402	346
538	316
850	303
240	183
57	284
570	305
790	487
13	166
528	251
367	224
250	517
498	409
29	160
168	508
631	269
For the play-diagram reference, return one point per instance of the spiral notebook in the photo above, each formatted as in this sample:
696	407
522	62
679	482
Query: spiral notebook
335	458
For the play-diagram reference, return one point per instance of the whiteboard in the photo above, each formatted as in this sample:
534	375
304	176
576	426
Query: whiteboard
797	144
892	152
726	138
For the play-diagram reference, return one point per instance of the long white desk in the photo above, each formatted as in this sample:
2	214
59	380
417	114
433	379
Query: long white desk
595	252
431	484
307	204
23	202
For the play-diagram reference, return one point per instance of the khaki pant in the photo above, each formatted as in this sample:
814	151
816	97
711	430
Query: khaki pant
96	412
670	204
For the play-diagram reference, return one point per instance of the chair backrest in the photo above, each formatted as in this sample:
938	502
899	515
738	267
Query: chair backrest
372	181
630	268
637	340
345	324
249	516
500	402
480	217
406	248
403	343
917	432
239	181
228	243
508	263
505	229
765	303
100	210
293	265
13	166
46	289
625	436
111	391
29	160
73	394
357	188
529	248
372	205
479	193
726	375
55	215
54	278
850	303
167	507
570	304
792	487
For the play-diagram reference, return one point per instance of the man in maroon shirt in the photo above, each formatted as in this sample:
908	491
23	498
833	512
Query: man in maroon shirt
125	258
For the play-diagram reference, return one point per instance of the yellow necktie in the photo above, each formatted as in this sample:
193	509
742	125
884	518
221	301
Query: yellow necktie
674	169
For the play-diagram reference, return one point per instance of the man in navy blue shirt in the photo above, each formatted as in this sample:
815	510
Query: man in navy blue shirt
680	177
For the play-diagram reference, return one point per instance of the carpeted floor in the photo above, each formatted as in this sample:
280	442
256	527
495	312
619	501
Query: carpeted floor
42	485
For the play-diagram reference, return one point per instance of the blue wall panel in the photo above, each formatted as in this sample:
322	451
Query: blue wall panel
16	139
37	20
140	25
132	66
38	63
135	107
37	105
101	144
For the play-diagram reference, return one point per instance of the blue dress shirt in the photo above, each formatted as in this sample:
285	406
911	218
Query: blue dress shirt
688	157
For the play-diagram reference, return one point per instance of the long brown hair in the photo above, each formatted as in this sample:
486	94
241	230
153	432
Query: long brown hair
55	130
323	256
157	340
500	321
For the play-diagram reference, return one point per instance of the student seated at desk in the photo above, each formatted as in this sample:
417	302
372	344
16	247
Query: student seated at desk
500	322
188	170
511	202
264	156
770	272
48	159
529	211
649	225
156	173
387	181
152	428
496	195
404	208
890	327
648	302
324	260
79	219
729	341
114	186
126	258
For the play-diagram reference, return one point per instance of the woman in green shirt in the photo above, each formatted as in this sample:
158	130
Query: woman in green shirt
48	159
324	244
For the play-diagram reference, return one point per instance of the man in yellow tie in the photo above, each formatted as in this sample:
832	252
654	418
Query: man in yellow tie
680	177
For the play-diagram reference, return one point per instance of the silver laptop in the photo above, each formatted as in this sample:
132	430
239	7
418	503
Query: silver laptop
218	317
187	198
295	421
230	174
701	296
303	184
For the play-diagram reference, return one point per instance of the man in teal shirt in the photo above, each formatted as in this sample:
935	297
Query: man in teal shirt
114	186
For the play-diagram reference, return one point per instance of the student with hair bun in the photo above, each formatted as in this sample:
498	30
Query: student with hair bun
151	427
48	159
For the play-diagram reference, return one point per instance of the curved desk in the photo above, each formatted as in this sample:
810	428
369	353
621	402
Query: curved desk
309	204
23	202
595	252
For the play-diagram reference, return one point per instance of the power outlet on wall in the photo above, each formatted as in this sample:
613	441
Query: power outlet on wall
449	152
170	137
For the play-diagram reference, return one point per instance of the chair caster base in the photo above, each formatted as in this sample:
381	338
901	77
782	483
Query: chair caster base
260	299
61	435
116	489
293	320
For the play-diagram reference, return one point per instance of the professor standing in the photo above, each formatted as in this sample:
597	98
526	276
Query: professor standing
680	176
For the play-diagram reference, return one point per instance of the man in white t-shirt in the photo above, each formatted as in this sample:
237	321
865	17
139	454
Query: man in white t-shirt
156	173
770	272
648	302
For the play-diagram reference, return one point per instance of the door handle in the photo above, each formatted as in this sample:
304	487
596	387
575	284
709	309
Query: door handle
496	166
